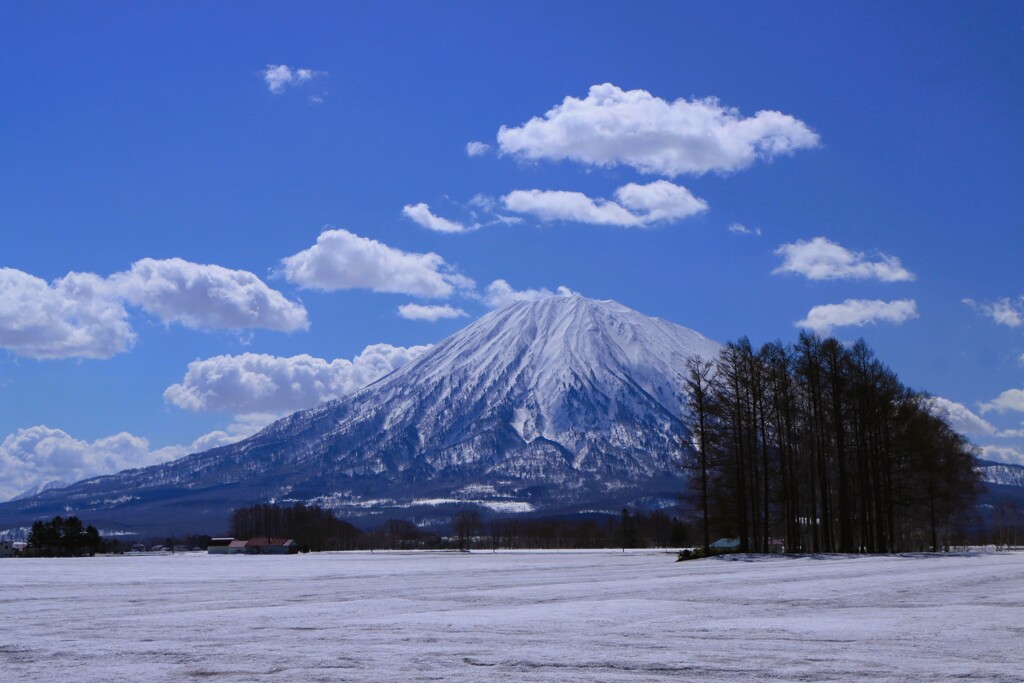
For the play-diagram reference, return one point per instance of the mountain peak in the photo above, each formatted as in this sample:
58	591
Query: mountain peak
556	405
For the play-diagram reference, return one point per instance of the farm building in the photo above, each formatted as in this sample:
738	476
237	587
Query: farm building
218	546
271	546
264	545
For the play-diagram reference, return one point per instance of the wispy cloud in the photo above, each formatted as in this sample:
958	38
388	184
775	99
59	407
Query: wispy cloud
1005	311
858	312
740	229
430	313
423	216
278	77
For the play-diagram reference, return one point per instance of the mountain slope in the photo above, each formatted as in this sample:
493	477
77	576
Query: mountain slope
555	405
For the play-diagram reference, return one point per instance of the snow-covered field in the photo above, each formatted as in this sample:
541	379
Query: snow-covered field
530	616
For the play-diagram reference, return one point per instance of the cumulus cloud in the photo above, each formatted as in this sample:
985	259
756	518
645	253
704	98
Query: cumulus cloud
421	215
476	148
83	315
431	313
253	383
207	296
960	417
500	292
1004	311
31	456
343	260
660	201
39	454
858	312
1004	454
280	76
822	259
611	126
741	229
74	317
1011	400
636	205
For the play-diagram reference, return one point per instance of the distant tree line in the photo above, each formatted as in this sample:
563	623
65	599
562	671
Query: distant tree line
312	527
820	445
316	529
631	529
63	537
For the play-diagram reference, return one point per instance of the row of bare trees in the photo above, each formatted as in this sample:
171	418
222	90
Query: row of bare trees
820	446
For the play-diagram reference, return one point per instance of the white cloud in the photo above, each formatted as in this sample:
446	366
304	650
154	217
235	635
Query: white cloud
483	201
39	454
612	126
560	205
651	203
76	316
822	259
31	456
1004	311
1009	400
431	313
476	148
960	417
1005	454
279	76
253	383
83	315
421	215
858	312
741	229
660	201
500	292
207	296
343	260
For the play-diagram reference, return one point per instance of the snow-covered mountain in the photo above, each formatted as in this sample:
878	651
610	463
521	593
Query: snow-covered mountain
47	485
562	404
1001	474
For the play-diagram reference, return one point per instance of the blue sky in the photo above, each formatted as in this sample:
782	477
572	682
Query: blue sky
732	167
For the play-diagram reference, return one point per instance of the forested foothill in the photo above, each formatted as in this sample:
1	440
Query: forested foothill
818	447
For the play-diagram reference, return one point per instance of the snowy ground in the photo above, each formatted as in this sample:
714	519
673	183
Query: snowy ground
579	616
